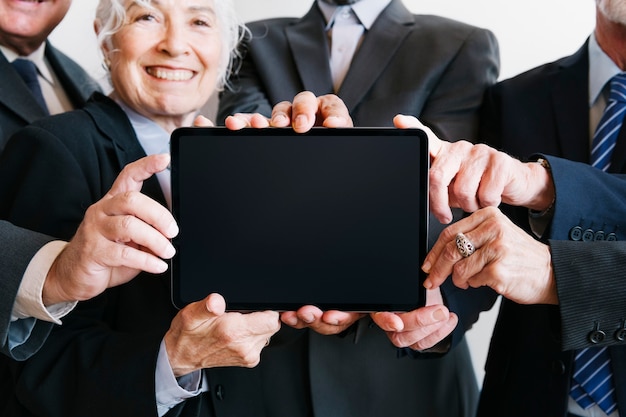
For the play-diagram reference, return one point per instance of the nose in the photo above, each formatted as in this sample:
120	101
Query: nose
174	41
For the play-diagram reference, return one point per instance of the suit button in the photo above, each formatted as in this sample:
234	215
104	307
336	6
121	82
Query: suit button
576	233
599	235
620	334
588	235
612	237
219	392
596	336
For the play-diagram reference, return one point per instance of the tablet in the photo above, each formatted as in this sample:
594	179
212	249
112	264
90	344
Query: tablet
275	220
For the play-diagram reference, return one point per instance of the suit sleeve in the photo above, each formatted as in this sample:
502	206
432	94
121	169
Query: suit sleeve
18	246
245	94
90	365
589	274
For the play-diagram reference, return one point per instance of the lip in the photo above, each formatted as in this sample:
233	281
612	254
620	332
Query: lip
170	74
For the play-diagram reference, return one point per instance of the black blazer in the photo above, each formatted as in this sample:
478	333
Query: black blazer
529	364
102	360
17	105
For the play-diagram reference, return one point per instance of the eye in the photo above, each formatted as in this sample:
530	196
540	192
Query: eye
203	22
147	17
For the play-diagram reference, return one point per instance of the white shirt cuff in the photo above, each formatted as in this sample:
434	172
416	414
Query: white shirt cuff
171	391
29	301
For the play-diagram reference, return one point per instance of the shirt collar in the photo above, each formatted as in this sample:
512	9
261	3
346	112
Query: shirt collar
152	137
367	11
38	57
601	70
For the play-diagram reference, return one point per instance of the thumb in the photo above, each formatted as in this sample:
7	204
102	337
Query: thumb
134	174
198	313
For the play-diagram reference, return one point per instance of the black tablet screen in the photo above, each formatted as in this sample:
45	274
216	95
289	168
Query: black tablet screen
335	218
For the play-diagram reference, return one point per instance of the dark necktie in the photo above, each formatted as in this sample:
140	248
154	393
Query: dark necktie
593	377
28	71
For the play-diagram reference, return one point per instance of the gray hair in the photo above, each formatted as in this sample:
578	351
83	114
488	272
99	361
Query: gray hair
111	15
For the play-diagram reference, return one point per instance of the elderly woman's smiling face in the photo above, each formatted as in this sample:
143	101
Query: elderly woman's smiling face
164	60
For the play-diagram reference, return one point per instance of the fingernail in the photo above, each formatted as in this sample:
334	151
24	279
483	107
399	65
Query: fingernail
300	122
170	251
308	318
280	120
172	229
439	315
290	321
427	284
426	267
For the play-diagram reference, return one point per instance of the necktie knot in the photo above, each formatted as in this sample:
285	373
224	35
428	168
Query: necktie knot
27	70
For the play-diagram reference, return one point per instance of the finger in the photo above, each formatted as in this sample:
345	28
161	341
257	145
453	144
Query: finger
201	121
198	313
238	121
444	255
419	324
145	209
309	314
304	111
127	261
437	334
281	114
340	318
134	174
333	112
389	322
290	318
258	121
445	166
129	229
410	122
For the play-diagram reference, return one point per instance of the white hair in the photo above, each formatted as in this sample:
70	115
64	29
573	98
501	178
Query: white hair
111	15
613	10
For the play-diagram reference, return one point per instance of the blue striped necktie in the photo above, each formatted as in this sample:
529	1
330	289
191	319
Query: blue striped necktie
28	72
593	378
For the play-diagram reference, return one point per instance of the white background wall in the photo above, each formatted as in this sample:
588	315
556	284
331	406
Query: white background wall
530	32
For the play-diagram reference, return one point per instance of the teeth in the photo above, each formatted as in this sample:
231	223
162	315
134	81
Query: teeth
170	75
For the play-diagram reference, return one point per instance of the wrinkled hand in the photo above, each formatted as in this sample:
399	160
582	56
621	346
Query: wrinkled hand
507	259
471	176
122	234
202	336
419	329
323	322
305	112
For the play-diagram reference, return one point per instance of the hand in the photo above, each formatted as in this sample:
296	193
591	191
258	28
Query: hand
302	114
123	233
202	335
475	176
419	329
326	323
506	259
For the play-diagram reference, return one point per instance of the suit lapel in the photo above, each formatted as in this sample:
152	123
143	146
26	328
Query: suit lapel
307	41
379	46
113	123
15	95
570	100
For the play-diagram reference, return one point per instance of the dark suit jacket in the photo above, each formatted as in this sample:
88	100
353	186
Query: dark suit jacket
425	66
17	247
102	360
17	109
529	364
17	105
